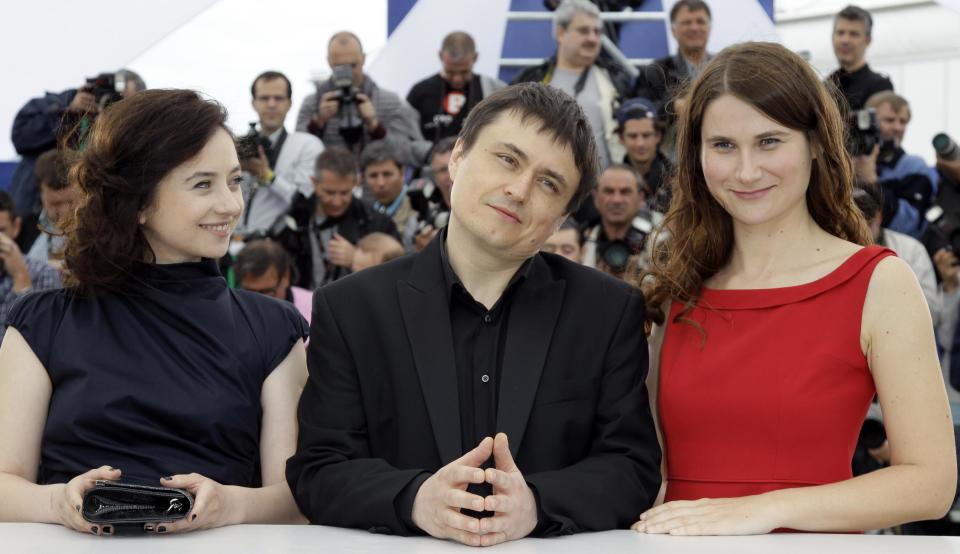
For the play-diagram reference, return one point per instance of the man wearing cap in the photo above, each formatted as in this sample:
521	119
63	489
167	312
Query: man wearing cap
640	131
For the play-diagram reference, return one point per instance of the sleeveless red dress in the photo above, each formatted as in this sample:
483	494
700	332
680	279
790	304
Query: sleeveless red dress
776	393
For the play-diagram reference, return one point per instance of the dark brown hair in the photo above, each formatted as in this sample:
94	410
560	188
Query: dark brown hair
782	86
556	112
132	146
51	169
258	257
691	5
337	160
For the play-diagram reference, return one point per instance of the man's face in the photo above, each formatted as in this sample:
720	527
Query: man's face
641	138
893	123
271	103
691	29
334	192
579	43
457	73
850	42
566	243
441	174
385	180
512	188
59	203
9	225
347	52
616	197
269	284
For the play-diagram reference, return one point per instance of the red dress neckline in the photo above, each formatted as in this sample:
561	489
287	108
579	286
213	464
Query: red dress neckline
749	299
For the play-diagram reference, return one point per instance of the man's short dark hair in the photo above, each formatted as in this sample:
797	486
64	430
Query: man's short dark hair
556	112
7	205
691	5
258	257
270	76
51	169
342	37
571	223
856	13
641	182
458	45
442	146
379	151
869	198
336	160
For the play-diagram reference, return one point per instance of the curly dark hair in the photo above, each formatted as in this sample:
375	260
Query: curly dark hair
132	146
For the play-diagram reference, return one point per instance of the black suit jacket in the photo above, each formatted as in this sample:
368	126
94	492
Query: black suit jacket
381	404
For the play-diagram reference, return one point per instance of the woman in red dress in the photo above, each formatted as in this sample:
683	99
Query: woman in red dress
776	325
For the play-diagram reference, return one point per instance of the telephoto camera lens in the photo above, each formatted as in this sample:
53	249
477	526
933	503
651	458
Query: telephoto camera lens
945	147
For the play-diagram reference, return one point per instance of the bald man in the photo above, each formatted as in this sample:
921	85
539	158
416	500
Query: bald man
362	112
444	99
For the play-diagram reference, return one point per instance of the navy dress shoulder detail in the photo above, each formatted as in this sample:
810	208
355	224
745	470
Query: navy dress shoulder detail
161	378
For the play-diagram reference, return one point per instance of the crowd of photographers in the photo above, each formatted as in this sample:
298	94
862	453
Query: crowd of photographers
362	175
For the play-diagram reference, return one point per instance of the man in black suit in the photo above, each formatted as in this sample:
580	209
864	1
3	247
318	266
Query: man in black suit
482	391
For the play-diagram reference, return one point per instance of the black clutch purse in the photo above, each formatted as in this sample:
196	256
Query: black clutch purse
128	507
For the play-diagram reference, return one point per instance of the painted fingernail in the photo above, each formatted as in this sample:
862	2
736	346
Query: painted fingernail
148	527
193	517
167	478
161	529
77	507
107	529
93	529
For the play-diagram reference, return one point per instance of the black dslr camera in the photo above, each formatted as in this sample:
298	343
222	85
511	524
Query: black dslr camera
616	255
247	145
107	88
864	134
351	124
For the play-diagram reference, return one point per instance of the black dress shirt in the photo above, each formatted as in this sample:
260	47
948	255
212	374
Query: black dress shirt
479	336
857	87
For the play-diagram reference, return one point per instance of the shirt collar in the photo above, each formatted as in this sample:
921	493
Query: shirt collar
451	279
394	206
275	136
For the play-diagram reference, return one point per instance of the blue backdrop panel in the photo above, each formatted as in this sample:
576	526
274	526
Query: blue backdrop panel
527	6
396	11
528	39
643	39
6	172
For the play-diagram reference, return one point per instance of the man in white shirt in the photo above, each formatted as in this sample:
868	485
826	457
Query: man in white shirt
282	162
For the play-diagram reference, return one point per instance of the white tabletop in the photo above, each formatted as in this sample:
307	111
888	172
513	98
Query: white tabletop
24	538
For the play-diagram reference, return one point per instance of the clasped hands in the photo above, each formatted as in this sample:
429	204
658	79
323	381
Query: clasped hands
436	509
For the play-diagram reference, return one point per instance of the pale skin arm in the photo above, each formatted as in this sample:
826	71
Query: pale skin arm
216	505
25	391
897	339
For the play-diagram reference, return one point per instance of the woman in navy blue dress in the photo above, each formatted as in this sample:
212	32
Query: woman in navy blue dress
147	368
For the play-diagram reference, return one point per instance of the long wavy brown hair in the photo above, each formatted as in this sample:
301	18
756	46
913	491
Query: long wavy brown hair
132	146
699	240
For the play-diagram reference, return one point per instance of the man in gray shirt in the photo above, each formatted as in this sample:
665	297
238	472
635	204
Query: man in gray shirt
578	70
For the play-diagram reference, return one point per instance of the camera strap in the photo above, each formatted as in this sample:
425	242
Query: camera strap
274	152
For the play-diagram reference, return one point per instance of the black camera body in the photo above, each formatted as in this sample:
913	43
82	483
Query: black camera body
248	145
864	134
107	88
351	124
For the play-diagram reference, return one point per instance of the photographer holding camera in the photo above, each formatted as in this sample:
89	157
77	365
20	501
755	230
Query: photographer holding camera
350	110
443	100
625	224
908	184
325	227
276	164
38	126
